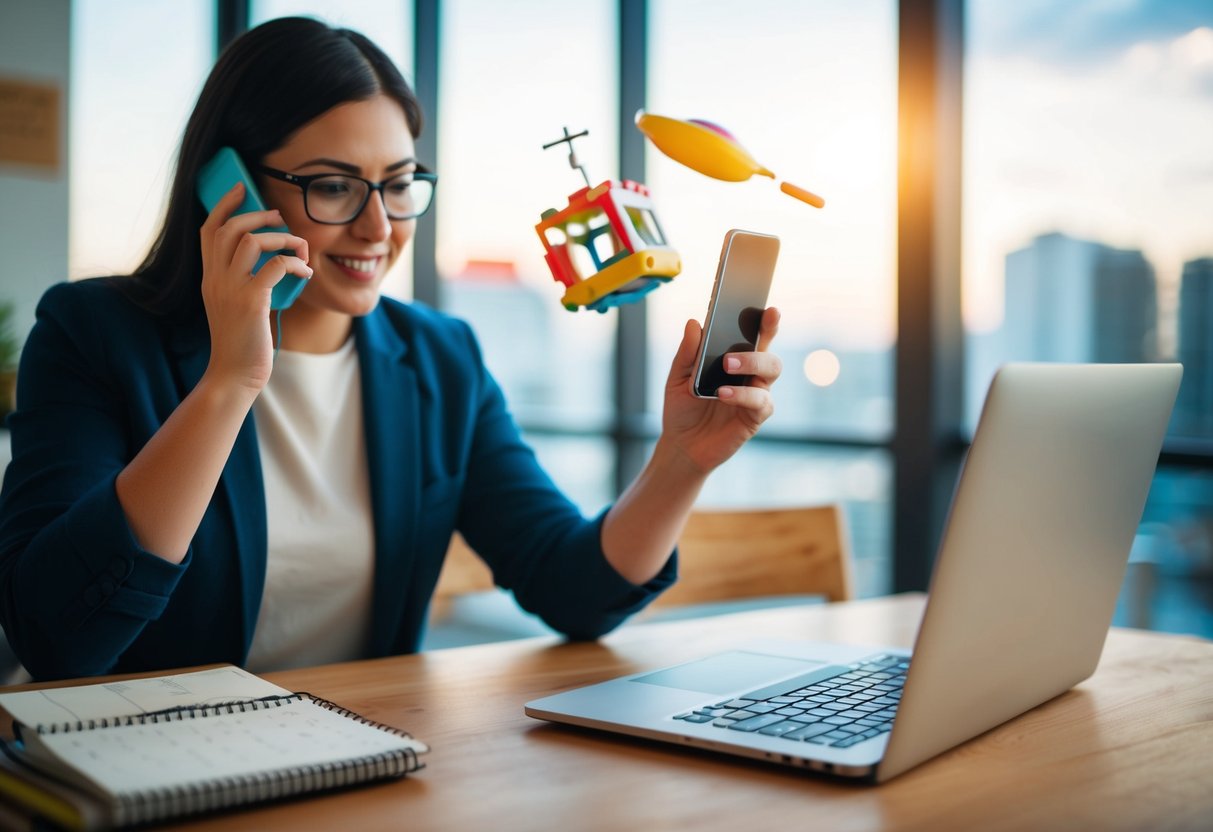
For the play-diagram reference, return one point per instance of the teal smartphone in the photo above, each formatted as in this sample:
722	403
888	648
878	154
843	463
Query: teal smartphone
216	178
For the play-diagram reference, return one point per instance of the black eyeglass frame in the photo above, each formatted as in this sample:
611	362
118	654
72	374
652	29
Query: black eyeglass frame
303	182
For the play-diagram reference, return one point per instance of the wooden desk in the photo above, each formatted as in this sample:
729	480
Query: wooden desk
1131	748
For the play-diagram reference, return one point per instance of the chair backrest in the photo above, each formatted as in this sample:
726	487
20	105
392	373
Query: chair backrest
463	572
732	555
724	556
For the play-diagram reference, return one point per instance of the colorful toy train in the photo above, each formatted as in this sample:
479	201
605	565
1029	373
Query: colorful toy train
606	246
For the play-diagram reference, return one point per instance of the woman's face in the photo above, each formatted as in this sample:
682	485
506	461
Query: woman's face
370	139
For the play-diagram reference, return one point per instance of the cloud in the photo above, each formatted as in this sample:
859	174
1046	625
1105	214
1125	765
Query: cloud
1183	64
1081	32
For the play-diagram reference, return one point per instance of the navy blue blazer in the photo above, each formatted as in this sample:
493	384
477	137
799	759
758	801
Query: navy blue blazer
99	376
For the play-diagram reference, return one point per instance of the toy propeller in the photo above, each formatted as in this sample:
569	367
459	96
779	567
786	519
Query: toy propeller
711	150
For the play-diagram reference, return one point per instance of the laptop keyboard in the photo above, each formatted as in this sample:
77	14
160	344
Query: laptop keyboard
840	711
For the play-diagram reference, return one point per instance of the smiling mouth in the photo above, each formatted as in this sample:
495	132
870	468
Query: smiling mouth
366	266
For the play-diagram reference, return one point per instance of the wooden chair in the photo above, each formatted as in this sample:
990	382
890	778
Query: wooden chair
463	572
736	555
724	556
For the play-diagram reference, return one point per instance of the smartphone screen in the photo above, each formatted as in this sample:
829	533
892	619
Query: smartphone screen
743	280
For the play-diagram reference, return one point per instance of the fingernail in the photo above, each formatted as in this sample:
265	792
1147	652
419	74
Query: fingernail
724	393
732	364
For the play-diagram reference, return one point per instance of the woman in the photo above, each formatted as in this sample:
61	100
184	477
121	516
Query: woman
185	490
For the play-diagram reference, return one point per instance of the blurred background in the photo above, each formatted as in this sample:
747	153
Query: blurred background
1003	181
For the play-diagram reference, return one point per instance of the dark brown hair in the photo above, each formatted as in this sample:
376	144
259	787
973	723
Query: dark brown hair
267	84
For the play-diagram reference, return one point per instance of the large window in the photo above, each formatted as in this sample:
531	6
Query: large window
513	76
1088	234
810	89
389	23
132	91
1088	191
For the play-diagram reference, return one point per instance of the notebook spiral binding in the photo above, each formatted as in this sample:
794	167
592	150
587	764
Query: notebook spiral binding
180	712
160	804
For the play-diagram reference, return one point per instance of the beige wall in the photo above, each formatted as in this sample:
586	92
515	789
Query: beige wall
35	41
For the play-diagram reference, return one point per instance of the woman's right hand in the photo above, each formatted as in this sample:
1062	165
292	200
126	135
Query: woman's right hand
237	302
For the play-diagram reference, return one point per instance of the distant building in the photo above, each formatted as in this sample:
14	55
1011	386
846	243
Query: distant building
512	324
1194	408
1081	301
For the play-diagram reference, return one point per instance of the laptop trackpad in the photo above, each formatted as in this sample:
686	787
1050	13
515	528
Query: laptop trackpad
728	672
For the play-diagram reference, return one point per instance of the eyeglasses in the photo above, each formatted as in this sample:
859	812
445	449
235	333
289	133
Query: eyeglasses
338	198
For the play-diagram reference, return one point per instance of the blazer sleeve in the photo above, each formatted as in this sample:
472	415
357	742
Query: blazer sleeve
75	587
535	540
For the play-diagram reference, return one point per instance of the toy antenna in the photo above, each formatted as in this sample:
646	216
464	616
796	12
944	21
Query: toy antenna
573	162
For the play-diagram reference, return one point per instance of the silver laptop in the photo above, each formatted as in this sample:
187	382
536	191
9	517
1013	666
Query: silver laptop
1023	592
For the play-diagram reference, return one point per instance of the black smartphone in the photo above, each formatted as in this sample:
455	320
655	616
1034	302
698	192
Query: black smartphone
739	297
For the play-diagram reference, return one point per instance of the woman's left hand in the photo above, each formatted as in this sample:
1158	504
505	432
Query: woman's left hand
709	431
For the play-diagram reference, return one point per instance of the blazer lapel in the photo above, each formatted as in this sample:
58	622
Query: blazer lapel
243	491
391	416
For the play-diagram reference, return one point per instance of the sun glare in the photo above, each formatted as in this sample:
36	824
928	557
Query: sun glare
821	367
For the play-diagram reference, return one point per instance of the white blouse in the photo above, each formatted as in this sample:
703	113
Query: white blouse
316	607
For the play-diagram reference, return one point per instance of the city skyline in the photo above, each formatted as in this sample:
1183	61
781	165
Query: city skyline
1078	300
1194	409
1092	119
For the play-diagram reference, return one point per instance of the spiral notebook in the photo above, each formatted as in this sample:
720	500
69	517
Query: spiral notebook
150	750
